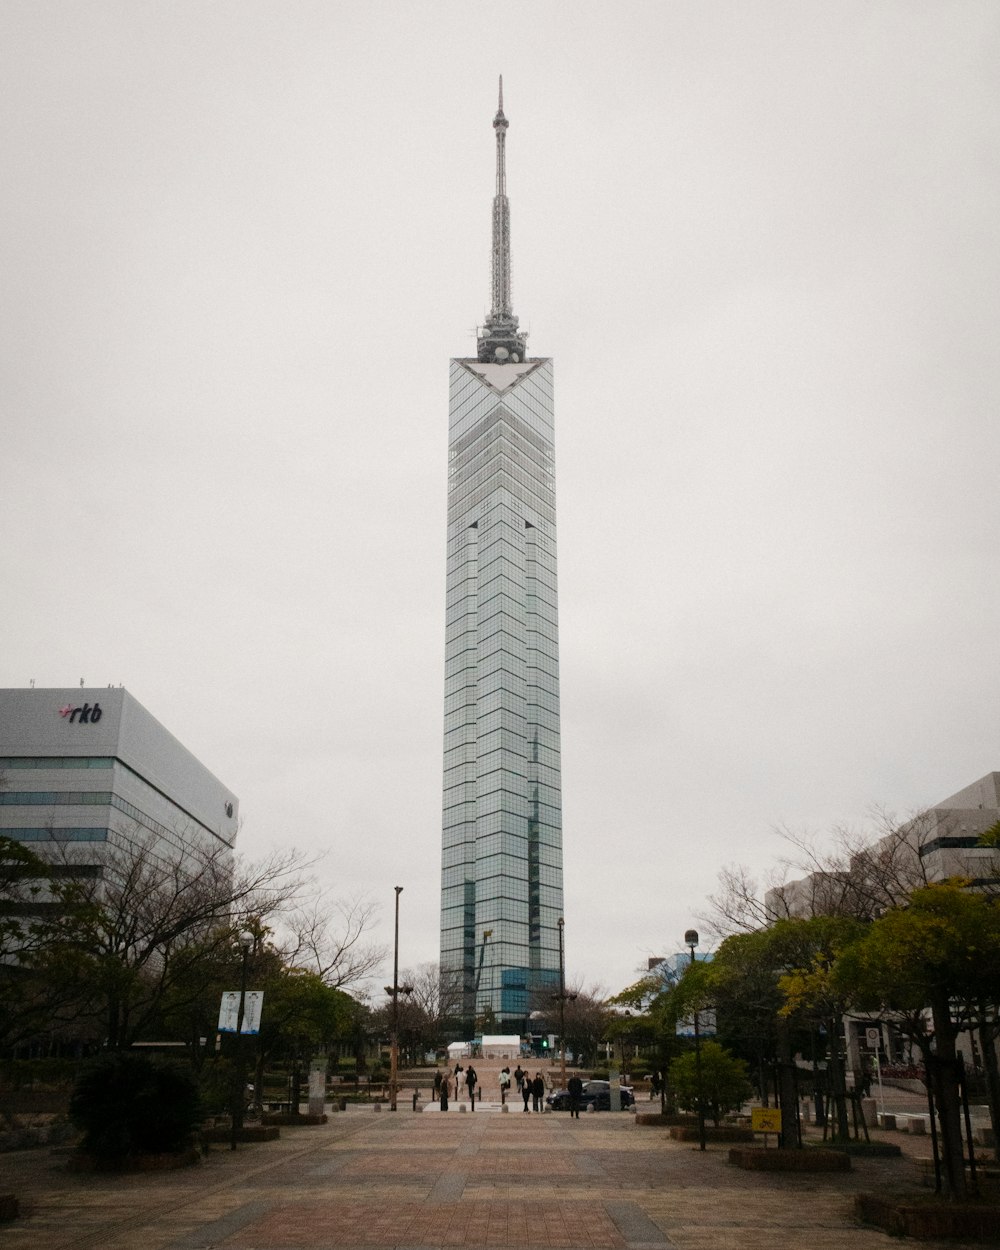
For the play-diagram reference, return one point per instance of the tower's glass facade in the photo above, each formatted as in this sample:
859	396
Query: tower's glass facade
501	862
501	894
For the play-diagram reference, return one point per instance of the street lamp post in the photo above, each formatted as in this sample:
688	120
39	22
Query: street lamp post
394	1052
691	941
562	1006
562	996
239	1076
394	991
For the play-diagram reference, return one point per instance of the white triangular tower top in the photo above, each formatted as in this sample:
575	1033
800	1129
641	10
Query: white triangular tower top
500	377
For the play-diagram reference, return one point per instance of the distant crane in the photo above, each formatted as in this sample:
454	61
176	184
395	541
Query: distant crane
487	934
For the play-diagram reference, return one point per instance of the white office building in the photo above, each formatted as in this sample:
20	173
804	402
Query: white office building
941	843
84	768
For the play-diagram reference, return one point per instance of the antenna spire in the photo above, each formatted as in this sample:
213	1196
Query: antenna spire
499	339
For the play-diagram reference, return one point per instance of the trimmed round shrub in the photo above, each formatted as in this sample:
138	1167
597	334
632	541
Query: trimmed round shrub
128	1104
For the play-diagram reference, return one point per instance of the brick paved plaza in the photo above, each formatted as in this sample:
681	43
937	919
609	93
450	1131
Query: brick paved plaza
425	1180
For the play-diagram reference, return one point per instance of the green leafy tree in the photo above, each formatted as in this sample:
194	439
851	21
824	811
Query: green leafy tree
991	836
929	967
301	1016
742	984
663	997
748	983
724	1085
814	997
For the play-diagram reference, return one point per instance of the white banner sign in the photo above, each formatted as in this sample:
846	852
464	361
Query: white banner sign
229	1012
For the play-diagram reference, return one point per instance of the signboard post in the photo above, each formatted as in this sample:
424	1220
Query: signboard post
765	1120
873	1036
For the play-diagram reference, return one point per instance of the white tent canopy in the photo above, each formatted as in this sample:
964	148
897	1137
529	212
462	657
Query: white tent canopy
501	1046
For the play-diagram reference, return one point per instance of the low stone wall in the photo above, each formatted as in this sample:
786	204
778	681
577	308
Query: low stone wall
665	1121
286	1120
30	1101
869	1149
84	1162
249	1133
725	1133
780	1160
930	1219
36	1136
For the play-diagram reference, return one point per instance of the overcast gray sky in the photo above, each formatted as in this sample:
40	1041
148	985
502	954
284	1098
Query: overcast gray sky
240	242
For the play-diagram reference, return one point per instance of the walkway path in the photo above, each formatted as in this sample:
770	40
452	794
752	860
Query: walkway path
380	1180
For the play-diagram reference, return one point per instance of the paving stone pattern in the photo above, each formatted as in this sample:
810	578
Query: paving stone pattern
484	1180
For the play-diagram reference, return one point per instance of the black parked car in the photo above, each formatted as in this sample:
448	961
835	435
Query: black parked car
595	1093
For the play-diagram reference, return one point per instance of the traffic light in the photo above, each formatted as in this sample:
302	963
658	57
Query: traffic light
545	1043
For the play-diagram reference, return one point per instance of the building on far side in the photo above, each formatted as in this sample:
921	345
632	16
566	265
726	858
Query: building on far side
936	844
83	769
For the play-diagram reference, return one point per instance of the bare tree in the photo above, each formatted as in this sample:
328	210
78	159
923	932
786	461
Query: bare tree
738	905
133	927
327	936
438	994
586	1014
858	875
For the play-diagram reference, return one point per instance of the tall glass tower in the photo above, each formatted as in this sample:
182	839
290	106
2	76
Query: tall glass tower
501	862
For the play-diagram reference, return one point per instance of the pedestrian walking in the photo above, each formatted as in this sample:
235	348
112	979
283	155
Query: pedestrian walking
574	1087
470	1081
504	1085
526	1092
444	1092
537	1092
436	1094
518	1077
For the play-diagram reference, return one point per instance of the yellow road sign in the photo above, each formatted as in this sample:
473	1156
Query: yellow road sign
765	1119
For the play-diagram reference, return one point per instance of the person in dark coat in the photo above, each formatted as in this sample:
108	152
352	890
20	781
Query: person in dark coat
470	1081
444	1093
537	1092
526	1092
574	1087
437	1086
